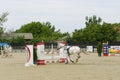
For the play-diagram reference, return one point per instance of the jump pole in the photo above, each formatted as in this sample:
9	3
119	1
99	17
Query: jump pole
105	49
29	50
40	53
42	57
63	56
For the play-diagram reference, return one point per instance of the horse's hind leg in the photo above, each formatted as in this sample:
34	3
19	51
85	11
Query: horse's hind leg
78	58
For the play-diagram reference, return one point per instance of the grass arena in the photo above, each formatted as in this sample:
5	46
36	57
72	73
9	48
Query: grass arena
89	67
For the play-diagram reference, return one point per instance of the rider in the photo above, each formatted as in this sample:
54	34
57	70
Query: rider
68	43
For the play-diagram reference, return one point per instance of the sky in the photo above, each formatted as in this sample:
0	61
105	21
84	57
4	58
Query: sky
66	15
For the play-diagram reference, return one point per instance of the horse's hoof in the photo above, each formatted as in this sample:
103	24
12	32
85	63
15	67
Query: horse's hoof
79	56
66	61
72	61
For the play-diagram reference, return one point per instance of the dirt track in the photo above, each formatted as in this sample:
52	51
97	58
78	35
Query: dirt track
90	67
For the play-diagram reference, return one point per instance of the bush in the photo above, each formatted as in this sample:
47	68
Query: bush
35	55
99	48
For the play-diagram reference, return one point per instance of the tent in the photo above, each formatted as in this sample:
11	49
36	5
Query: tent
4	44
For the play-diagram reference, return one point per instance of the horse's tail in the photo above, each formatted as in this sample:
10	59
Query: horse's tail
83	51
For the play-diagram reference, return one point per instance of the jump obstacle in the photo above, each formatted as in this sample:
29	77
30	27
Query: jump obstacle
52	56
44	57
29	50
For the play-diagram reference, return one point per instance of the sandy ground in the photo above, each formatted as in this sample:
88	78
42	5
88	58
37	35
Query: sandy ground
89	67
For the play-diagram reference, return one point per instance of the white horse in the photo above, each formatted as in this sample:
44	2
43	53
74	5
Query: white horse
71	51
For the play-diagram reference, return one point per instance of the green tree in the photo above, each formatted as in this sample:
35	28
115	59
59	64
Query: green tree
78	36
41	31
95	31
108	32
116	27
90	21
93	27
90	32
2	20
17	41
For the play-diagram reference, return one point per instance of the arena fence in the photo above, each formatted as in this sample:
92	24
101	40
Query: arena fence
83	45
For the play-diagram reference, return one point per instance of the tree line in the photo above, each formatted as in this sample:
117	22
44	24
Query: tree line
95	30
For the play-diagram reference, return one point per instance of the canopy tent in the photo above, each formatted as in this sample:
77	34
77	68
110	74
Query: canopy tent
4	44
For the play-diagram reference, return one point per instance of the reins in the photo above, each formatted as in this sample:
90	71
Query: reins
60	47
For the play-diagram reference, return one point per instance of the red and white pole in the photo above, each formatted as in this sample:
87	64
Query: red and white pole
29	49
63	55
40	53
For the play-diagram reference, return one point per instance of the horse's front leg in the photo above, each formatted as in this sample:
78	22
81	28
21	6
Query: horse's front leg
71	59
78	57
68	59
